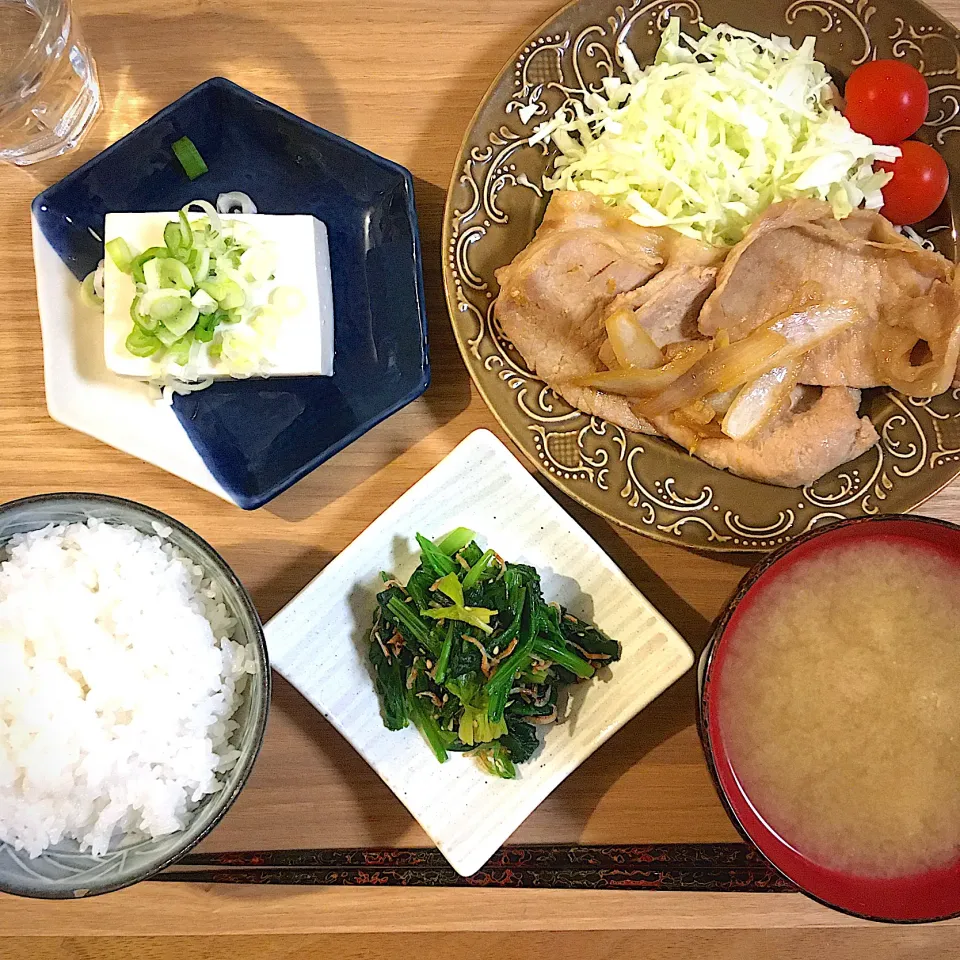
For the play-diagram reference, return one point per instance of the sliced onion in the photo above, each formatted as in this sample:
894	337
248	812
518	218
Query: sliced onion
774	344
810	325
607	357
758	402
720	370
633	346
636	382
721	401
235	202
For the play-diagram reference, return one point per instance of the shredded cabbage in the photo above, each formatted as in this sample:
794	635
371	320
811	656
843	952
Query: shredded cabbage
712	133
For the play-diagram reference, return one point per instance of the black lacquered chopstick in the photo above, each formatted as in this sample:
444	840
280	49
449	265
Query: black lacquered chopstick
730	867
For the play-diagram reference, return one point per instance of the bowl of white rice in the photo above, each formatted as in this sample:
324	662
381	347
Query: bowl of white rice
134	689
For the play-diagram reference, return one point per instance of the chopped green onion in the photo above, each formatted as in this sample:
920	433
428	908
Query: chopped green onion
259	262
162	304
189	157
209	209
233	296
203	331
200	268
141	343
204	302
120	253
87	292
183	320
290	301
173	273
175	240
266	319
213	288
139	262
166	336
180	351
151	273
185	228
203	278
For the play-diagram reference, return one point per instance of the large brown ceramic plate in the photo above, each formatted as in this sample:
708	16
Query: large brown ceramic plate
496	202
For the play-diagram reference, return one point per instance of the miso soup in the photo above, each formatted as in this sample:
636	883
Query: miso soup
839	706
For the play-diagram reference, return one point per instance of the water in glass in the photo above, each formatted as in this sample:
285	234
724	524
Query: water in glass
49	93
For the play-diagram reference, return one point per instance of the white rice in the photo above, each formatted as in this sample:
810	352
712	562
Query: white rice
118	682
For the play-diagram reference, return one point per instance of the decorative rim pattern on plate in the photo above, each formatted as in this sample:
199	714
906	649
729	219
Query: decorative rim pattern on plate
495	203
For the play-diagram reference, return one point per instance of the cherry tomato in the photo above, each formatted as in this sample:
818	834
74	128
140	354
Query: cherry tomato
887	100
919	184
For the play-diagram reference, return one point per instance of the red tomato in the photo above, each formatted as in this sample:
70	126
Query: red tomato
887	100
919	184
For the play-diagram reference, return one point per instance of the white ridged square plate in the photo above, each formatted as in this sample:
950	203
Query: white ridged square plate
319	643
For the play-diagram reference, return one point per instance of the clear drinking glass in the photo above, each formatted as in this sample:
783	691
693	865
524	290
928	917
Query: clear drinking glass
49	93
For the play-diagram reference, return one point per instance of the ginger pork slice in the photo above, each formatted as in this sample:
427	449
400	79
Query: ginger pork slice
797	253
554	293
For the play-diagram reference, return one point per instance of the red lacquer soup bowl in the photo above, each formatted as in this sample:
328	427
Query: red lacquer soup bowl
931	895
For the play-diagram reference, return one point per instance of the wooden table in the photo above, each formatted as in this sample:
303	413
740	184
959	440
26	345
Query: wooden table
401	77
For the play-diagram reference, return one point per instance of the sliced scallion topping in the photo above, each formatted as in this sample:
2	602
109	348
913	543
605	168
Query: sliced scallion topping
120	253
136	267
203	331
177	241
179	352
204	302
183	320
166	336
288	300
151	273
207	276
142	344
189	157
87	292
200	265
162	305
173	273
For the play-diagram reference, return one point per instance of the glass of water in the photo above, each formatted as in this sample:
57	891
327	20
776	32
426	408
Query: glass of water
49	95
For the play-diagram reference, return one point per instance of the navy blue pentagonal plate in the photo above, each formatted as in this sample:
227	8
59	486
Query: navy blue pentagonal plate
257	437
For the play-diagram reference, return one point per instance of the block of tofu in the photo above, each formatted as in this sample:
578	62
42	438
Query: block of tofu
304	344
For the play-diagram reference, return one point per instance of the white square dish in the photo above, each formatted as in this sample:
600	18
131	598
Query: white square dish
319	643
